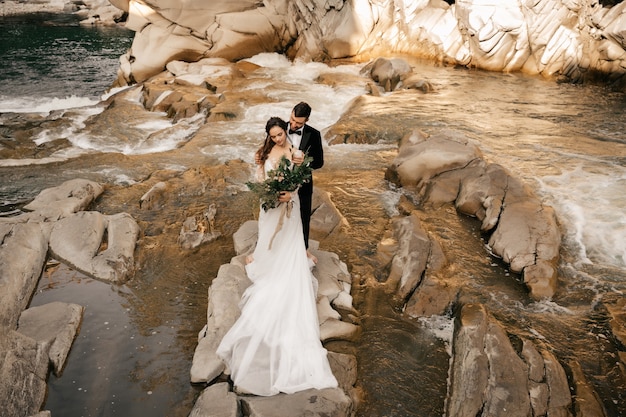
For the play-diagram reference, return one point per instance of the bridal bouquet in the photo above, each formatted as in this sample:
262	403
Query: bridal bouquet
286	177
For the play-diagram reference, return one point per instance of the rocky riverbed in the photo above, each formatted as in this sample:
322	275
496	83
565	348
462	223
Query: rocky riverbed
78	222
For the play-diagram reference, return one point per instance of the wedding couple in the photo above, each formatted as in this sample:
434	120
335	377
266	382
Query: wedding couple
275	344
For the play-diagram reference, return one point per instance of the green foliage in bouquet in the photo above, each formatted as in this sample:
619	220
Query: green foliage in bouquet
286	177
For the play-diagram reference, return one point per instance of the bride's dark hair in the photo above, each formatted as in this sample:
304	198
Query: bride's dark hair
267	146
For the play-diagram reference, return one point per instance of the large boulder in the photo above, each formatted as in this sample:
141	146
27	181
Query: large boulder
55	326
572	41
22	257
445	168
488	375
388	73
24	367
101	246
422	157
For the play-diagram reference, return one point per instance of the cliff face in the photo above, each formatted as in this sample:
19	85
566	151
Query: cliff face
572	39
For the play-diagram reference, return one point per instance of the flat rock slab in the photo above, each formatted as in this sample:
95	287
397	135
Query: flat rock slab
55	325
23	251
216	401
24	367
78	240
70	197
330	402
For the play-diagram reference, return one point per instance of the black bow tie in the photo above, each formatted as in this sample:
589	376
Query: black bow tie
297	132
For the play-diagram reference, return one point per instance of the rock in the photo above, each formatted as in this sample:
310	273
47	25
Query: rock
388	73
325	310
79	241
55	325
507	387
329	402
421	158
488	376
469	373
216	401
445	169
325	218
433	297
23	371
331	274
415	82
62	201
617	313
333	329
527	235
560	401
344	368
534	360
333	283
244	239
22	256
409	262
222	312
482	193
586	401
560	40
541	279
153	199
197	230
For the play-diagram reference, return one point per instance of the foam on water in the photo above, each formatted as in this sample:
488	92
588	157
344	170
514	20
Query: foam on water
42	105
442	327
591	207
328	103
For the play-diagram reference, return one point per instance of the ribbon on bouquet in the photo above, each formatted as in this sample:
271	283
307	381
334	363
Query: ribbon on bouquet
284	211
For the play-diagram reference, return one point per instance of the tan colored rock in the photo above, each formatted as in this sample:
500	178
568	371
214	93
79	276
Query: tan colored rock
388	73
222	312
541	279
68	198
325	218
433	297
470	364
24	367
560	400
78	241
410	261
488	376
19	274
617	312
556	39
422	158
526	232
586	400
327	402
54	325
216	401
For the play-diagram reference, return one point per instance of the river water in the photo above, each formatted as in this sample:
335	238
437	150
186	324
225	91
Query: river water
134	350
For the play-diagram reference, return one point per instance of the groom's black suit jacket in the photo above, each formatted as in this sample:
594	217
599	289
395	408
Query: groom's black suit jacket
311	144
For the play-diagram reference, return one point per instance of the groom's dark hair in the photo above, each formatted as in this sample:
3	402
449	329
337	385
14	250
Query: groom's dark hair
302	109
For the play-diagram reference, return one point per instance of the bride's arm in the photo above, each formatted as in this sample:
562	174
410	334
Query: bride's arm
259	174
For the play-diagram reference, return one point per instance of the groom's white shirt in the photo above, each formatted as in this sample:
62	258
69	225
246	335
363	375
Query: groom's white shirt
293	138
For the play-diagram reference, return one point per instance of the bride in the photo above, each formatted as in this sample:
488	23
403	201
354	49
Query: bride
275	344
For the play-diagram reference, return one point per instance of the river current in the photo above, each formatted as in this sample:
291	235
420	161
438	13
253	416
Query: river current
133	353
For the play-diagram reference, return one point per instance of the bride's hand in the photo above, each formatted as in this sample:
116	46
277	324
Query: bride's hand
297	157
284	196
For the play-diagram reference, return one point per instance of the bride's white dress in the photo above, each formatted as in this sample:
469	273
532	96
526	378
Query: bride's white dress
275	345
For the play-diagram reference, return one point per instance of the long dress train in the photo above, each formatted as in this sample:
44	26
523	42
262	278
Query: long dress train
275	345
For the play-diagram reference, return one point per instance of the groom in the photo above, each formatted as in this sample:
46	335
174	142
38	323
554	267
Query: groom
309	141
